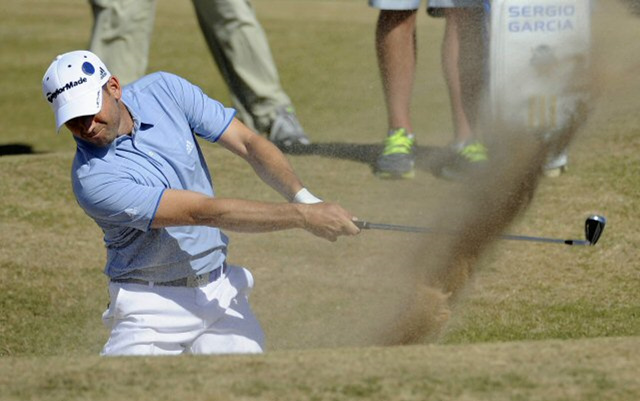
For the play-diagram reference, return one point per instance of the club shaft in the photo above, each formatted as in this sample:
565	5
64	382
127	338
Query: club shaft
544	239
365	225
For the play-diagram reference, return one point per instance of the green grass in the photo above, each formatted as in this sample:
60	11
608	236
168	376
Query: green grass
534	322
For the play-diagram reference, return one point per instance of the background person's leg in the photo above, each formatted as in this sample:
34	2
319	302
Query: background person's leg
240	49
396	52
463	67
121	36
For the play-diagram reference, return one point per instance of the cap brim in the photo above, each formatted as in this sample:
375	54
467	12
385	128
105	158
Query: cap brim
87	104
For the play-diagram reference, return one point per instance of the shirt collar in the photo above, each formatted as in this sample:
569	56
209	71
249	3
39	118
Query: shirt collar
141	121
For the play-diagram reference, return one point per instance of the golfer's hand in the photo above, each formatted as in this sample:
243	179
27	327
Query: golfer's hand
328	220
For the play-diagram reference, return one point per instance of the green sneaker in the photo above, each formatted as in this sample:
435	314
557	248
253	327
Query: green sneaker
474	152
470	156
397	157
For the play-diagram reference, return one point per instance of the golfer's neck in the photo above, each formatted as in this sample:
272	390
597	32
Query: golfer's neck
126	121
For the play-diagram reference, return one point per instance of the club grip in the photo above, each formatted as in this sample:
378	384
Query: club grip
363	225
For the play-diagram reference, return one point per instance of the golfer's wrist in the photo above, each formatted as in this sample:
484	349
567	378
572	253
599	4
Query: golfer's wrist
304	196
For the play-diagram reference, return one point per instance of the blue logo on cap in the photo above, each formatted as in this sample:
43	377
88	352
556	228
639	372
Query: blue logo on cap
88	68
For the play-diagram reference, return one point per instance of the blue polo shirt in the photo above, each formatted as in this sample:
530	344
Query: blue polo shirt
120	186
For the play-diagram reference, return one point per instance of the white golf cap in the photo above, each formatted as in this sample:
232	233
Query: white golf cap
73	85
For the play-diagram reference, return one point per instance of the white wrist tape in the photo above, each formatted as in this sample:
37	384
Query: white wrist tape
304	196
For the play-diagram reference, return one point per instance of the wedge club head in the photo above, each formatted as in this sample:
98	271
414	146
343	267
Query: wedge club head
593	227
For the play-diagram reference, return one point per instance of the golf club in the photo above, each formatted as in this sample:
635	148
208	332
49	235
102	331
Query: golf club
593	227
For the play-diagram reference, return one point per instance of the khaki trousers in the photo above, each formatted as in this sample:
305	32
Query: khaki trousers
121	37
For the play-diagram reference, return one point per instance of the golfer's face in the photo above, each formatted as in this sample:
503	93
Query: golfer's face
100	129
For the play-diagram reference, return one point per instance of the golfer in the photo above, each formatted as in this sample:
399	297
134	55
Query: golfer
140	174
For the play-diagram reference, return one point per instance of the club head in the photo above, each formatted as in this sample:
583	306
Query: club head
593	228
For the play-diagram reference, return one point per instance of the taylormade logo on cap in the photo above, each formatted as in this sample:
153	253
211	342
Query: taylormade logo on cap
73	85
52	96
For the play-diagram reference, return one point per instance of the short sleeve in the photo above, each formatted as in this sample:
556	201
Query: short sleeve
207	117
117	200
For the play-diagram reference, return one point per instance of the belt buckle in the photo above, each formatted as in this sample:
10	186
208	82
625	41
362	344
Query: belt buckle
206	278
198	281
203	279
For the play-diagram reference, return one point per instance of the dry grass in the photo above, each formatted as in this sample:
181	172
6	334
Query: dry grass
593	370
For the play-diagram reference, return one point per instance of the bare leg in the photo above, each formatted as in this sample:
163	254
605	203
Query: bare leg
463	67
396	50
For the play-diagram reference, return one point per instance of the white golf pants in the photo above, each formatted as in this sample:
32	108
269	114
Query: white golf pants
160	320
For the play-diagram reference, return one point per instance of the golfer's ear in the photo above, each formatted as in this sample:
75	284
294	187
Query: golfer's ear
113	87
